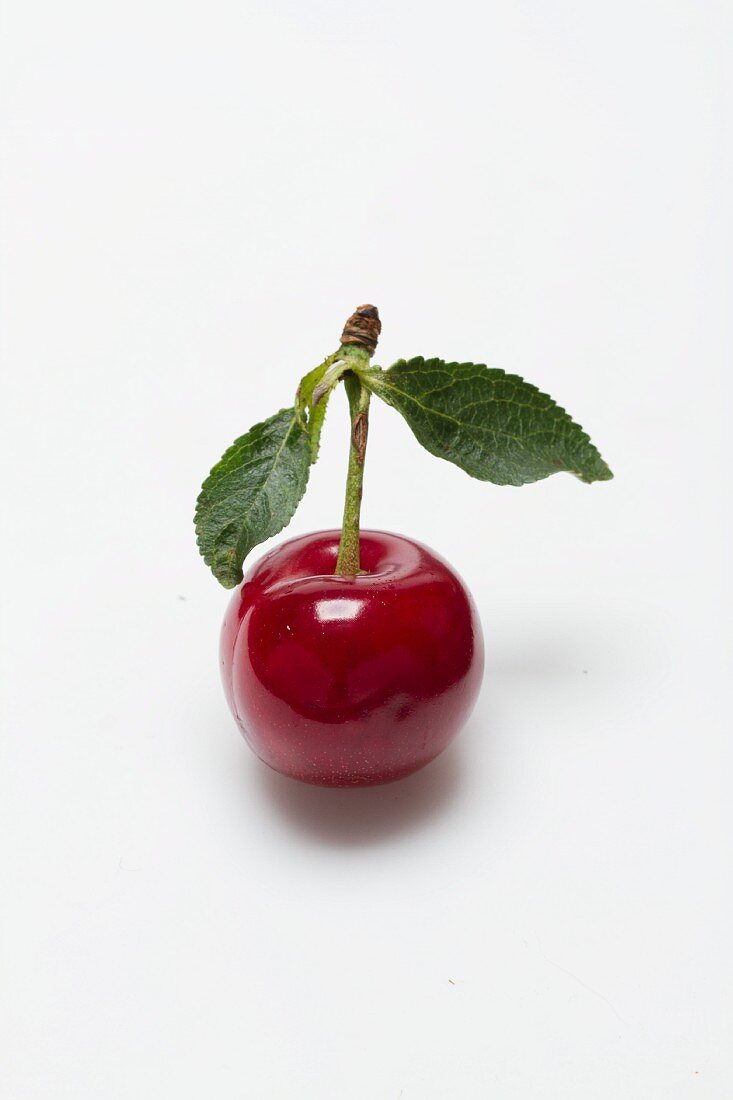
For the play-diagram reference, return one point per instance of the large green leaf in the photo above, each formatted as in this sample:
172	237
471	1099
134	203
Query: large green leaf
494	425
252	493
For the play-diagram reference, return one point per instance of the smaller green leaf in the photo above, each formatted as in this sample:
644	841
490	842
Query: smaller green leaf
306	386
315	425
252	493
312	397
494	425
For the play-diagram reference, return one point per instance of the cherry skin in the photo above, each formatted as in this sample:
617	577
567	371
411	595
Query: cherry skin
351	681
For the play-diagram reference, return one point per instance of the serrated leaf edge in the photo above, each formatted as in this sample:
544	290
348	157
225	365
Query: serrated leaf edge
234	553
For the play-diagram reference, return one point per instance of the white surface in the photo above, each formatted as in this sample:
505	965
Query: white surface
195	197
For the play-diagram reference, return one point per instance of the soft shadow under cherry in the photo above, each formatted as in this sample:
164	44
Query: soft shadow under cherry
365	815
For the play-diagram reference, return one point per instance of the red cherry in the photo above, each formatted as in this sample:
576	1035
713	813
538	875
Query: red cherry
351	681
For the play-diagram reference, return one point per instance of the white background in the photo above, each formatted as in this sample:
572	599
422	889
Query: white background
195	196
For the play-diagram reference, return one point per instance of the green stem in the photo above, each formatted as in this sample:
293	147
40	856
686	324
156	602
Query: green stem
348	563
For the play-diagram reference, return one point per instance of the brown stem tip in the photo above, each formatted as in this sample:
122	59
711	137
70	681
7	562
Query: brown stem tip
363	327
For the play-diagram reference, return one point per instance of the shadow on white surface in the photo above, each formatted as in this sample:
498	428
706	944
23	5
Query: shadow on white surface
367	815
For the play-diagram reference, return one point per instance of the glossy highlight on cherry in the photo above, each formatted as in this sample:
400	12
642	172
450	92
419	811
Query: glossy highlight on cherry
349	681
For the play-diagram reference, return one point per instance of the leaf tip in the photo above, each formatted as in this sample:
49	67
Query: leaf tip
601	473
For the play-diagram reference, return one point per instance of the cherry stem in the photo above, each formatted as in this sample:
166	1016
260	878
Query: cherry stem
348	563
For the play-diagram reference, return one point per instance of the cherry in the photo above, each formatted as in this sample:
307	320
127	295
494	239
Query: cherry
349	681
354	657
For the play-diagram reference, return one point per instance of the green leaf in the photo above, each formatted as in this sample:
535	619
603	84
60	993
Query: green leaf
494	425
306	386
311	400
315	425
252	493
